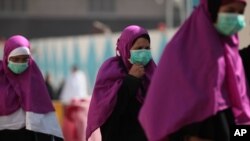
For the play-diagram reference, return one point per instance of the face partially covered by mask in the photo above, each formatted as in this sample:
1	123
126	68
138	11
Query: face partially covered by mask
230	23
18	60
142	56
17	68
230	18
140	52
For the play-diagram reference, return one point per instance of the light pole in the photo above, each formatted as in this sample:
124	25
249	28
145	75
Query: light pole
169	13
185	8
103	27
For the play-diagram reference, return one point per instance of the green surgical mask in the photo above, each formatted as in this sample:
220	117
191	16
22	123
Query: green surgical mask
230	23
17	68
142	56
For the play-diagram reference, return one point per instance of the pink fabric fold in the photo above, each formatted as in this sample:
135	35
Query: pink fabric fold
75	121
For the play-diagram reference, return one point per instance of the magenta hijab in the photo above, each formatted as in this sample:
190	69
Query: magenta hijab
26	90
199	74
110	77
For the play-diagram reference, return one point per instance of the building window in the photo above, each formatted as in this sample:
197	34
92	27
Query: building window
107	6
13	6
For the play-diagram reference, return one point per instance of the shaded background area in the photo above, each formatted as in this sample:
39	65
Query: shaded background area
44	18
50	27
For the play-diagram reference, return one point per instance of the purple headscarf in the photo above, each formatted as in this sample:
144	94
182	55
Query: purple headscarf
110	77
26	90
199	74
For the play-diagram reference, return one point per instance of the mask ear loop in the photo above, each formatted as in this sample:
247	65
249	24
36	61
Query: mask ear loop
117	53
129	59
8	59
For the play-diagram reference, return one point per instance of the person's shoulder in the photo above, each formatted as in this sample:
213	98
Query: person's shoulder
80	73
245	50
110	67
110	62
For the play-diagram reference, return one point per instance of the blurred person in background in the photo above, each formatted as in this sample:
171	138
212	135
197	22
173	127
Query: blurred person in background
75	86
75	99
121	87
199	90
75	121
59	89
49	86
26	111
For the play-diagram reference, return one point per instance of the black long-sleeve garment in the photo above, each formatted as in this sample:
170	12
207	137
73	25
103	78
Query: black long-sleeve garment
123	124
25	135
245	56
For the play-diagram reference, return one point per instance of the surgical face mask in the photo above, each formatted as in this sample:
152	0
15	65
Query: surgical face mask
17	68
230	23
142	56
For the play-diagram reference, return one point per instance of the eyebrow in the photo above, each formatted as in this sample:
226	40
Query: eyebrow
231	8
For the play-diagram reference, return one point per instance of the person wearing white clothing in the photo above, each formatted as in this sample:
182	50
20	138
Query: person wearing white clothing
75	87
76	101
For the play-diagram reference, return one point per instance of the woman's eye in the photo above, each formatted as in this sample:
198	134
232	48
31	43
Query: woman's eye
14	59
26	59
241	12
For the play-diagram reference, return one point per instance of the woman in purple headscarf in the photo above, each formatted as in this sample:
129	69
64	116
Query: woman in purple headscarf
120	88
199	90
26	111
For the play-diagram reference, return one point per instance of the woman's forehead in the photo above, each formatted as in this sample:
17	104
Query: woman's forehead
141	40
20	56
223	2
237	6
